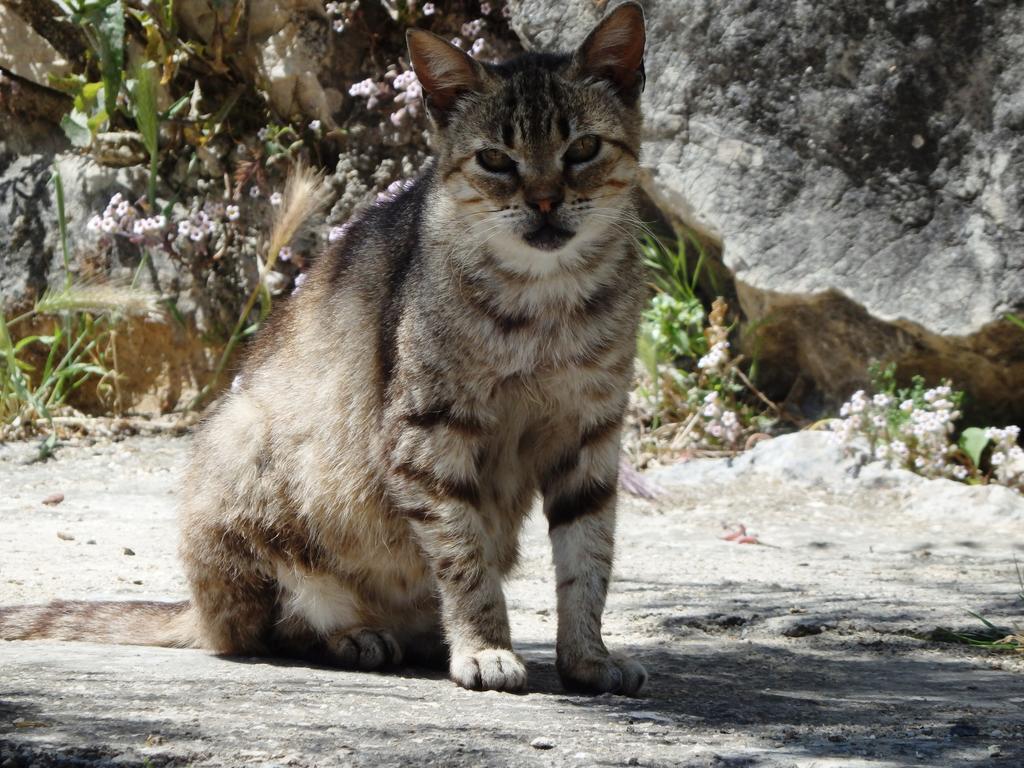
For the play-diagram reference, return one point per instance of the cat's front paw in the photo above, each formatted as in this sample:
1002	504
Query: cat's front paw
603	674
492	669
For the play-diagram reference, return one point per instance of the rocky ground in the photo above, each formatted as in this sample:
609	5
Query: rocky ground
807	648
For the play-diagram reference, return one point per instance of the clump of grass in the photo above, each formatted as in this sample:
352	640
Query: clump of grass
693	395
39	371
991	635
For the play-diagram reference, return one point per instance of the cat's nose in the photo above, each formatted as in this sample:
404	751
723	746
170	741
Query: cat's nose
544	200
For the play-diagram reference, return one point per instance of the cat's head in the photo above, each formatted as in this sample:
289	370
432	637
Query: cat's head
537	156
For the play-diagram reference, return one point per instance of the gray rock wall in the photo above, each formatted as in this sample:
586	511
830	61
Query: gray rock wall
861	163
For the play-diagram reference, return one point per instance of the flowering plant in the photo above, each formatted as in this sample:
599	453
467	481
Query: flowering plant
914	428
692	395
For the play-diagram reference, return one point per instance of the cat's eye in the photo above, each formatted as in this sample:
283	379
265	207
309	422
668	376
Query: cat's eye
583	149
495	161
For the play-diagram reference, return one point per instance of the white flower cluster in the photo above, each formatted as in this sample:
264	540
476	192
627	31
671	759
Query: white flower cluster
719	422
716	359
918	440
197	228
368	89
472	30
1007	457
409	92
341	13
122	218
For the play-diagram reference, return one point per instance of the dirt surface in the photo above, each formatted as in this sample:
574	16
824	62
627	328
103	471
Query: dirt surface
807	649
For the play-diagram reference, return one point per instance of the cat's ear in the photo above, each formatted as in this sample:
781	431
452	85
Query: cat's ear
444	71
614	51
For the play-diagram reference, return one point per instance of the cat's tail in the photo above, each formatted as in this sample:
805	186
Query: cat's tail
141	622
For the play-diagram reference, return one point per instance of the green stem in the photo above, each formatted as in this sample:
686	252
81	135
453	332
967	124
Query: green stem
62	224
154	162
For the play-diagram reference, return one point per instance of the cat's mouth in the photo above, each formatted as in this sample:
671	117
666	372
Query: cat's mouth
548	237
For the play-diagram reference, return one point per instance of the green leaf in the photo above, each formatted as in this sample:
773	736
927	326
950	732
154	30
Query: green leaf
85	101
108	21
75	125
22	343
972	442
147	78
176	107
96	121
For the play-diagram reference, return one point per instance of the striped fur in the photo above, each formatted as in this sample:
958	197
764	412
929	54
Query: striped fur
360	497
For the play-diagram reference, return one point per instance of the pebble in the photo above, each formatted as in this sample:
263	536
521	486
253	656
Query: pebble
653	717
542	743
994	750
65	536
129	551
53	499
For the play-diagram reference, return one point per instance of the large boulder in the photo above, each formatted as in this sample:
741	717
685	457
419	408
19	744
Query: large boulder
860	162
289	48
25	52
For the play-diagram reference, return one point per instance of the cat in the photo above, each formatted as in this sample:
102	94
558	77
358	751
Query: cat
470	342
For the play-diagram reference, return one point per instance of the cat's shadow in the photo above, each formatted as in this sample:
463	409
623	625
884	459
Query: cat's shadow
543	678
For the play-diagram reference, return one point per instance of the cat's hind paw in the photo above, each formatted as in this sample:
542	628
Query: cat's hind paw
364	649
492	669
604	674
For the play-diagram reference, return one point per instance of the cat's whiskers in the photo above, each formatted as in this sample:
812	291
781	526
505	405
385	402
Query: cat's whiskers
617	215
459	267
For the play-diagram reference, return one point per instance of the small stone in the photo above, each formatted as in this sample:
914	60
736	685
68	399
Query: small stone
653	717
129	551
542	743
633	761
65	536
994	750
137	581
91	541
53	499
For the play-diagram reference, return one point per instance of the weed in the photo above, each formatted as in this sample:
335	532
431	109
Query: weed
692	393
40	369
993	636
915	427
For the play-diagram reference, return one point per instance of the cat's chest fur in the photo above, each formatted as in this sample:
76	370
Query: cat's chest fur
551	333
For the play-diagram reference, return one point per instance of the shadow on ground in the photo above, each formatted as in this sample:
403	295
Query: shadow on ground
865	700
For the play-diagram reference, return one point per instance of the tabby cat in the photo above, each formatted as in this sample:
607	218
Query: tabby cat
465	345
